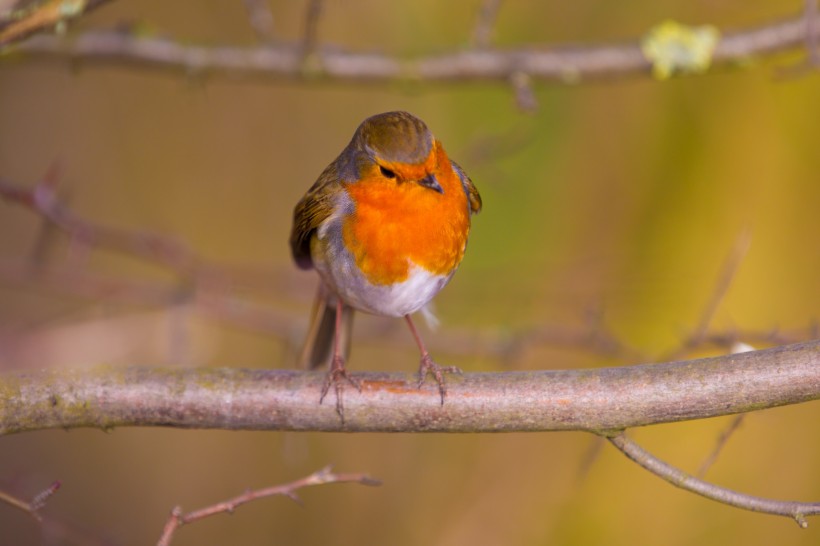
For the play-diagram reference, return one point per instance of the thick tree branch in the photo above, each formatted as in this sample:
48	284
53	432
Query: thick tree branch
595	400
546	63
793	509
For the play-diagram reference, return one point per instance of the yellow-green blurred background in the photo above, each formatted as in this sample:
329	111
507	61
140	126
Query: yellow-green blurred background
624	196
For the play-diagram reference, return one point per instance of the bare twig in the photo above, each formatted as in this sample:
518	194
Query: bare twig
595	399
737	420
151	247
204	284
556	63
590	456
810	13
260	19
700	336
795	510
320	477
483	30
724	282
54	531
524	95
155	248
727	339
312	16
217	305
593	336
33	506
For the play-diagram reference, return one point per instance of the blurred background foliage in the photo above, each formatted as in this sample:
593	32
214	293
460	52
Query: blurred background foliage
625	197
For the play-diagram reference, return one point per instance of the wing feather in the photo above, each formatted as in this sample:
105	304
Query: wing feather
310	212
472	192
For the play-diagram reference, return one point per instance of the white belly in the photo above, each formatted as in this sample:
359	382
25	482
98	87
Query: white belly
395	300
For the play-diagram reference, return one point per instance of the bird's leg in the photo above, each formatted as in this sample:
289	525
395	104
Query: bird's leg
338	373
428	365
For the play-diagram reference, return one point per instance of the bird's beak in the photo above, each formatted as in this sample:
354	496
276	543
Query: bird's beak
430	181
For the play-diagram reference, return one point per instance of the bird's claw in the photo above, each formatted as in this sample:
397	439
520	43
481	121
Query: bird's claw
336	376
428	366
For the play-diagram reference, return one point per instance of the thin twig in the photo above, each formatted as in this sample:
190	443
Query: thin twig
524	95
793	509
810	12
311	37
159	249
721	288
220	306
57	531
723	438
320	477
20	504
156	248
593	337
485	22
33	506
590	456
724	282
260	18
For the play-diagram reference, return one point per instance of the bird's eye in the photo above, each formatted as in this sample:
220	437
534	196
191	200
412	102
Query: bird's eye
387	173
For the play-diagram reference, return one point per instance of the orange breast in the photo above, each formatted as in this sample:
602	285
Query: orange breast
396	221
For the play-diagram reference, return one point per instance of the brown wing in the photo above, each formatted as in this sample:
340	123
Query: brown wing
472	192
313	209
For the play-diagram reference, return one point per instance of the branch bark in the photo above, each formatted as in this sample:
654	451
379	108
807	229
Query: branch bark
598	400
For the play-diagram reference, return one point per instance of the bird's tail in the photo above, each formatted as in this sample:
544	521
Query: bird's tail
318	347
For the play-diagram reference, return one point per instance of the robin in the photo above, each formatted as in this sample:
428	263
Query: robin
385	226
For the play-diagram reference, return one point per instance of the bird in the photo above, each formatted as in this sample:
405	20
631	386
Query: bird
385	225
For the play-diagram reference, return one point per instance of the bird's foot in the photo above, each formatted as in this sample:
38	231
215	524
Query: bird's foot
336	376
428	366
